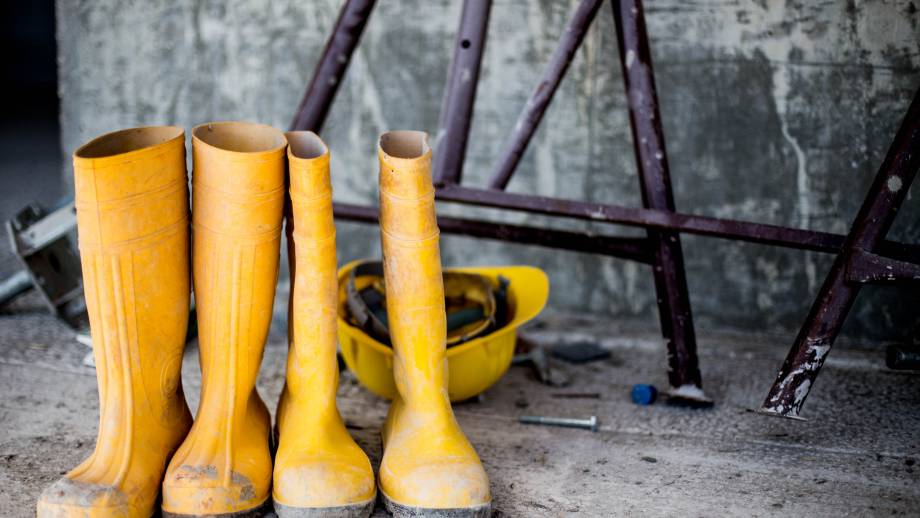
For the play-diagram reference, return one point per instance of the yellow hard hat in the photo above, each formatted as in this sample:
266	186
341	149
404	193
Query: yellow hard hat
474	365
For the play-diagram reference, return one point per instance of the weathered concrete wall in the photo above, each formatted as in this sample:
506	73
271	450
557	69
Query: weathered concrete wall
778	112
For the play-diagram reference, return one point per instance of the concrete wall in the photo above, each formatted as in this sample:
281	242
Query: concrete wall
778	112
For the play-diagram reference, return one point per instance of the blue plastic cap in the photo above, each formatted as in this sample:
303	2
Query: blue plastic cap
643	394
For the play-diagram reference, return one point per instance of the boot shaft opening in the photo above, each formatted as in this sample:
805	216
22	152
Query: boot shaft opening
305	145
404	144
126	141
240	137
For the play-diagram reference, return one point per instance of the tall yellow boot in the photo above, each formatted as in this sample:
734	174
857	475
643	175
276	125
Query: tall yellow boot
429	467
132	217
319	470
224	467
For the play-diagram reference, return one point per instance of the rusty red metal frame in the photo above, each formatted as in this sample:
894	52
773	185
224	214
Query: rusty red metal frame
317	99
460	92
856	264
863	255
655	183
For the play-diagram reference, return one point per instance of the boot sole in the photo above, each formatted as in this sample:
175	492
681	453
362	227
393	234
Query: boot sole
359	510
408	511
256	512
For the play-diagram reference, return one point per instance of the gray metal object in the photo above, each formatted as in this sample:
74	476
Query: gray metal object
42	243
902	358
537	359
587	424
15	285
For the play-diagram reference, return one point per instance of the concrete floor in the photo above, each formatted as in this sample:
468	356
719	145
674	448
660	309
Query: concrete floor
856	456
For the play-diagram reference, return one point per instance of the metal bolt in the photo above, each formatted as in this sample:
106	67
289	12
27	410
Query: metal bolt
587	424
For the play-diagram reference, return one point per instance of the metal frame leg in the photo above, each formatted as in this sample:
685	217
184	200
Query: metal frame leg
542	95
342	42
460	92
837	294
648	140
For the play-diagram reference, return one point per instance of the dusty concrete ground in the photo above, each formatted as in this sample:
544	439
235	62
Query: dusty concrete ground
856	456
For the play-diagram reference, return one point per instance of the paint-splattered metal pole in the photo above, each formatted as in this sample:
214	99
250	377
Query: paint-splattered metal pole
837	294
655	181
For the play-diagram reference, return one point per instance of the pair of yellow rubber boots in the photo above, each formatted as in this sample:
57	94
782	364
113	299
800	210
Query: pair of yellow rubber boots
132	216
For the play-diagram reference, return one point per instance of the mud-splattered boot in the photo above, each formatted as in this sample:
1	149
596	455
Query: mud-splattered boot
132	219
319	470
429	467
224	466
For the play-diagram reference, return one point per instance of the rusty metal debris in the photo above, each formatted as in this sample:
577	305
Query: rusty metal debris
42	243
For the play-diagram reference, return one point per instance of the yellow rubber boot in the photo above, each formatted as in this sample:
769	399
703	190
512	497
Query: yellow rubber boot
319	470
224	467
132	218
429	467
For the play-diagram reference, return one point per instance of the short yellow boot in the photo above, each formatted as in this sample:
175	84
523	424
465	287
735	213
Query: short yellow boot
429	467
132	218
224	467
319	470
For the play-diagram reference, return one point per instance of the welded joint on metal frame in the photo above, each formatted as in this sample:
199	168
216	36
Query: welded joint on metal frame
864	267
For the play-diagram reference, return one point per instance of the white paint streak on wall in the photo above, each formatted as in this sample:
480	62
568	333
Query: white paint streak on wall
778	51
